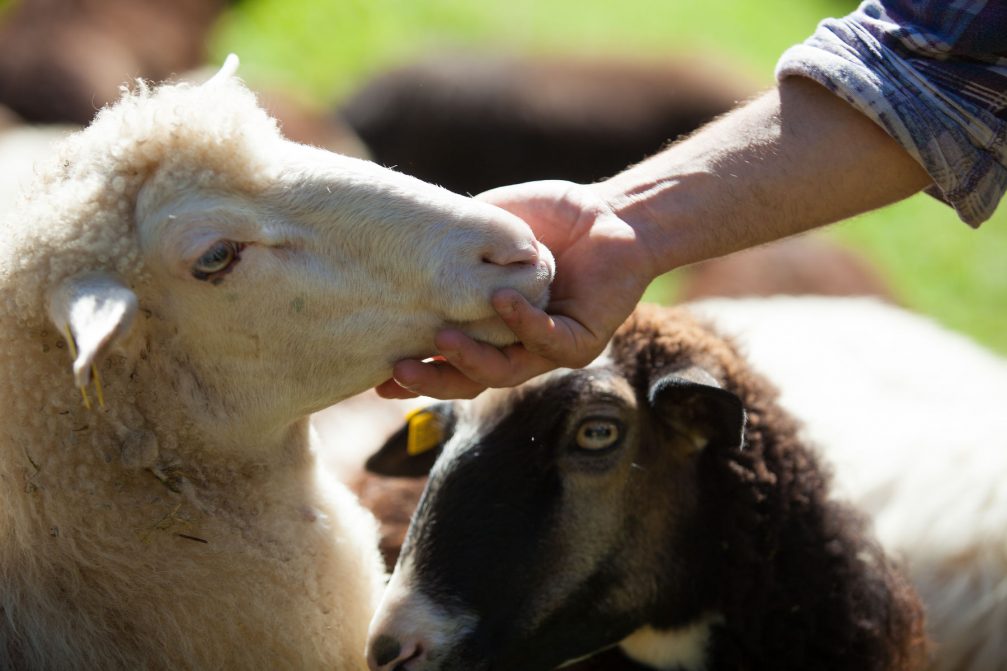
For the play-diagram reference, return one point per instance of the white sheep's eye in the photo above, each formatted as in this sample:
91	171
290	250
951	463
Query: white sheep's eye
217	260
597	434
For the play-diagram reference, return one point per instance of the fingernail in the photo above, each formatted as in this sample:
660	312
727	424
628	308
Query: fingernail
405	378
405	384
506	309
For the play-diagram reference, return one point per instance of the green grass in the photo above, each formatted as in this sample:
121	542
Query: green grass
939	265
328	46
936	264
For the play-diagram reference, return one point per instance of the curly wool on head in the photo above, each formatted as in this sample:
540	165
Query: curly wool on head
80	209
80	216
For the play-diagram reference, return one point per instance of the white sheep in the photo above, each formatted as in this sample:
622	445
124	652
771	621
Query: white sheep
179	290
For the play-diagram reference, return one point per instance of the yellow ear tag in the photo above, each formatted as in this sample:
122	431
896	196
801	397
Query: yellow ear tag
425	431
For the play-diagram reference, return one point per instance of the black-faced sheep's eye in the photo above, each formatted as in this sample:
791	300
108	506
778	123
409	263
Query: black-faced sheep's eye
217	260
597	434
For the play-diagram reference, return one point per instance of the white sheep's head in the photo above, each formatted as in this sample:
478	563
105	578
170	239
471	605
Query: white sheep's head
283	277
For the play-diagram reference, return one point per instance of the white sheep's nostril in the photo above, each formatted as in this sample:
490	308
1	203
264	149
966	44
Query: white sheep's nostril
387	654
524	255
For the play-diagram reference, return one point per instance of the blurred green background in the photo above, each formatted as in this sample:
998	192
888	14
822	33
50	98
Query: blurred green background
935	263
325	48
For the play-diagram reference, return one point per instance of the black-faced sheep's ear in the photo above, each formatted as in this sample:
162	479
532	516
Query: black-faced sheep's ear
693	405
412	450
93	311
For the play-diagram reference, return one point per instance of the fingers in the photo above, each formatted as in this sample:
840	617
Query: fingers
393	390
436	379
468	368
562	340
533	327
488	365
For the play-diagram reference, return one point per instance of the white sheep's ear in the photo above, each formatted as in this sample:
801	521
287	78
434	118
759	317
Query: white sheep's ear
227	70
93	311
692	404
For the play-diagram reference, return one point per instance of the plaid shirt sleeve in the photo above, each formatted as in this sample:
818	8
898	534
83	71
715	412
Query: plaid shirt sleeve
933	74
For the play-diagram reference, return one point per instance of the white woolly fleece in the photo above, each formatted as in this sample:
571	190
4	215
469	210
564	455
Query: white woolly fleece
182	521
122	548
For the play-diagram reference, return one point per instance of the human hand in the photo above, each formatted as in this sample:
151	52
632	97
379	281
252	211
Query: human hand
602	268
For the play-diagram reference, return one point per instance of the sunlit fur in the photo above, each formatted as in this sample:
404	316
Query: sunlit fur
185	525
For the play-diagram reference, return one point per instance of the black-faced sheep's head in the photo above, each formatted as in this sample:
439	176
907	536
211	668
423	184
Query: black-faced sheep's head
553	517
280	276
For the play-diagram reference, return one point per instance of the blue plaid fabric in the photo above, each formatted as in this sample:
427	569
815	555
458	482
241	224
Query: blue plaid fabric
933	74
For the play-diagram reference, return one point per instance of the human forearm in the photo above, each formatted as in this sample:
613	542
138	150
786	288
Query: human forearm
793	159
798	157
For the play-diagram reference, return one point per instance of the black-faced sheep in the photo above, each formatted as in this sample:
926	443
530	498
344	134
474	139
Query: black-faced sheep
471	122
179	289
660	500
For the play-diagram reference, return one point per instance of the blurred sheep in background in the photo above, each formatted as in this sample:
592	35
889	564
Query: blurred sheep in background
472	122
62	60
7	118
808	264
